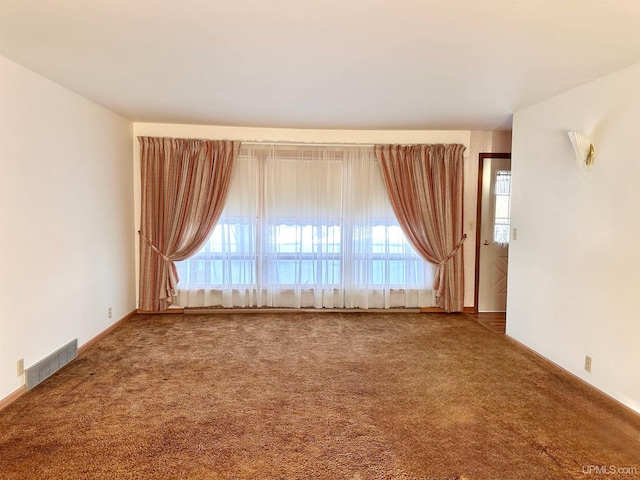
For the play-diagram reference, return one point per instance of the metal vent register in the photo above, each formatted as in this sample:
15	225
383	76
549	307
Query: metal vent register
51	364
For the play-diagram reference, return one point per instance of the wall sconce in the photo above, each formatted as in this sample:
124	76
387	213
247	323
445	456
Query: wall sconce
583	148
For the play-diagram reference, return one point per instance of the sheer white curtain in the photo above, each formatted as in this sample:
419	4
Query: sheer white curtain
306	226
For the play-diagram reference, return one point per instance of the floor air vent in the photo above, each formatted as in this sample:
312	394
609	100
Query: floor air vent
51	364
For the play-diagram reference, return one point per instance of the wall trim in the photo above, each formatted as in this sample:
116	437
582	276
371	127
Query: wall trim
440	310
168	311
628	411
12	397
214	311
218	310
89	343
432	310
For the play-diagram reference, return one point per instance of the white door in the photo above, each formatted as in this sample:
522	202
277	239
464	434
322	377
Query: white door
494	235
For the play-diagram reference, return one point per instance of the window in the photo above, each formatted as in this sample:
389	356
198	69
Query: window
502	212
306	227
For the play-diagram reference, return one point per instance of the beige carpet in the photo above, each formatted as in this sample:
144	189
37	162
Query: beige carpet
312	396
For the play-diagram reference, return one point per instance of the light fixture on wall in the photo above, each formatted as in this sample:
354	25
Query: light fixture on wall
583	148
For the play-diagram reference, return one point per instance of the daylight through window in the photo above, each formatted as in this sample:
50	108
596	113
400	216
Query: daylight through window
306	226
502	211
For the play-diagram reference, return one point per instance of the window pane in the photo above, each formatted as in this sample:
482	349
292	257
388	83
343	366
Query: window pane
501	233
502	206
502	213
317	218
503	182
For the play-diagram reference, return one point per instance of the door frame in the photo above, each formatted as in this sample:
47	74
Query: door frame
481	158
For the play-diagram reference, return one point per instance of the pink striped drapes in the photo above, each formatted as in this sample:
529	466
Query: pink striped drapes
425	185
184	188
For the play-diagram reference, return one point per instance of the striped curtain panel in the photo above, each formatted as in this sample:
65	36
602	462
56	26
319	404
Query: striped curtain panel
425	186
184	188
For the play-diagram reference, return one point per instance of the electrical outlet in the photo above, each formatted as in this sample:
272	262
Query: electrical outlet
20	367
587	363
109	312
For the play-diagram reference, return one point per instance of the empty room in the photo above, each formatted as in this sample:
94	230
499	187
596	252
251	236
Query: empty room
319	239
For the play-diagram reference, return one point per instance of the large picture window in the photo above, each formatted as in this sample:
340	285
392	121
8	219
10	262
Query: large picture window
306	226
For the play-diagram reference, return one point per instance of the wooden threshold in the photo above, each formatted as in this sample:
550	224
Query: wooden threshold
496	321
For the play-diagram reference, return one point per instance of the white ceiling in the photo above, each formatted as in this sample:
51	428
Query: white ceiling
347	64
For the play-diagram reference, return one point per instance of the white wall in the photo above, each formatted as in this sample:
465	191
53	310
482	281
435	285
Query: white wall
66	219
574	271
299	135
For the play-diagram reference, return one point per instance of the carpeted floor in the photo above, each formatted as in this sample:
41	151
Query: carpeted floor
313	396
